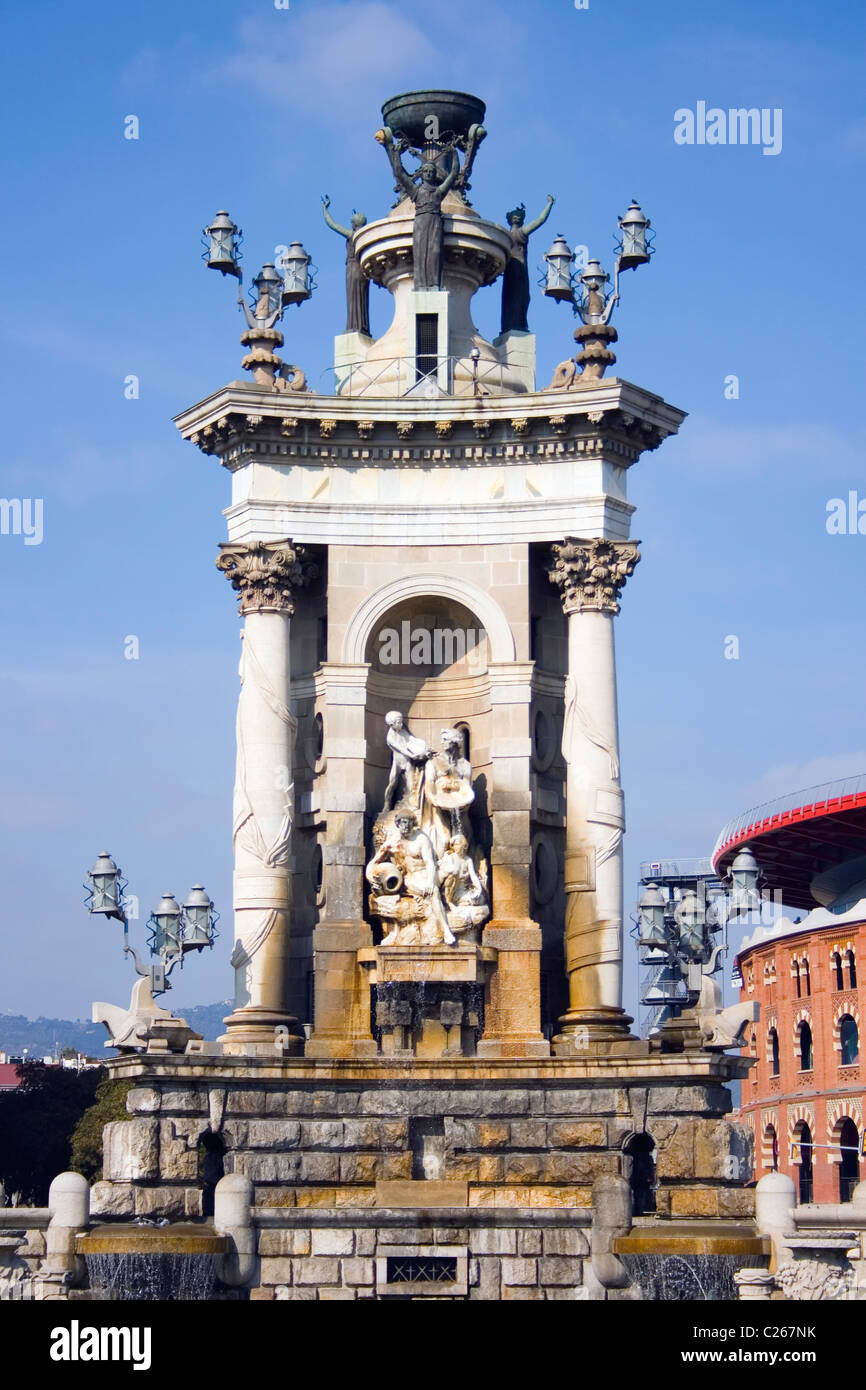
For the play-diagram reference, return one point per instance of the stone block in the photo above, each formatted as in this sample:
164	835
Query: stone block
523	1168
676	1154
491	1168
579	1166
578	1134
178	1156
288	1104
736	1201
713	1149
296	1295
166	1201
565	1242
386	1103
492	1240
131	1150
559	1270
284	1242
241	1101
403	1235
694	1201
143	1100
529	1134
265	1167
522	1294
528	1243
461	1134
317	1271
580	1293
112	1199
331	1241
323	1167
262	1295
493	1135
396	1167
519	1272
276	1271
487	1289
355	1196
360	1168
274	1135
462	1168
186	1101
365	1242
450	1235
359	1272
590	1100
322	1134
336	1295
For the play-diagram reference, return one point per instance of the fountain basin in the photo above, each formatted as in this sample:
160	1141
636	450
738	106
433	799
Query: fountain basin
131	1263
698	1238
127	1238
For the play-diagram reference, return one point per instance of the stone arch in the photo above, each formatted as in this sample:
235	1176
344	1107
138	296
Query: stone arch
363	621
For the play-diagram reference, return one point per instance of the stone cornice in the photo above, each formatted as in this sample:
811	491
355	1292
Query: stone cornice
590	574
266	574
615	417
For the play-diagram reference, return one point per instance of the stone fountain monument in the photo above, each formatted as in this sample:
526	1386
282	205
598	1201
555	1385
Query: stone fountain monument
428	1082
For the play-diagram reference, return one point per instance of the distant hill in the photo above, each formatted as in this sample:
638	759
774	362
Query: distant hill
39	1035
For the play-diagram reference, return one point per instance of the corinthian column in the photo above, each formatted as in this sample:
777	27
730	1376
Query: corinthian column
590	575
266	576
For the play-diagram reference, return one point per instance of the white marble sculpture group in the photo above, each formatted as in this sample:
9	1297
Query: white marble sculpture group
428	880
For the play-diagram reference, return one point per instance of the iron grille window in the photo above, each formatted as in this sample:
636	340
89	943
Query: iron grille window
422	1269
426	344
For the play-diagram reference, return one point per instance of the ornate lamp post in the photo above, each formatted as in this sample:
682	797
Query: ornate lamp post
271	293
174	930
587	292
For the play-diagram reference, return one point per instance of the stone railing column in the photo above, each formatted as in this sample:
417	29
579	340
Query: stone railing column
590	575
267	576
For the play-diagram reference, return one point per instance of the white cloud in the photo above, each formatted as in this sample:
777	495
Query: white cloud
764	450
334	60
797	776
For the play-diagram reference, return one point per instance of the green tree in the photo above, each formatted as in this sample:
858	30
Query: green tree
37	1122
109	1104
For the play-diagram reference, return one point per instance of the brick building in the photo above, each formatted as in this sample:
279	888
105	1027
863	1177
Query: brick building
804	1096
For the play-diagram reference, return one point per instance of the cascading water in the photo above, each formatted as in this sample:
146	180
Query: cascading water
135	1277
703	1278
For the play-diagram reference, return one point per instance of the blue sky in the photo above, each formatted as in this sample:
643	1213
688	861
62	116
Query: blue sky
241	105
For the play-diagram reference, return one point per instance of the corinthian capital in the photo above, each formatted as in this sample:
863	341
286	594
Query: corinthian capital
266	574
590	574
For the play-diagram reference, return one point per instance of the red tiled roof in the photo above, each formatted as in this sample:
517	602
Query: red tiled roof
9	1076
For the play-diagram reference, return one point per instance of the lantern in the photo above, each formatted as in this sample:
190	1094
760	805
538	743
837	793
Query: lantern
223	245
295	264
267	286
652	917
689	917
105	889
198	920
557	284
632	248
165	927
744	876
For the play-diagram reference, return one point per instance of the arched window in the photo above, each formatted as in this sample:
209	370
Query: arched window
771	1147
803	1160
795	975
836	968
805	1047
849	1040
852	969
807	982
640	1169
773	1041
849	1168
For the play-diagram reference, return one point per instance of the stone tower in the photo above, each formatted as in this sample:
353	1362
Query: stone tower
428	926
